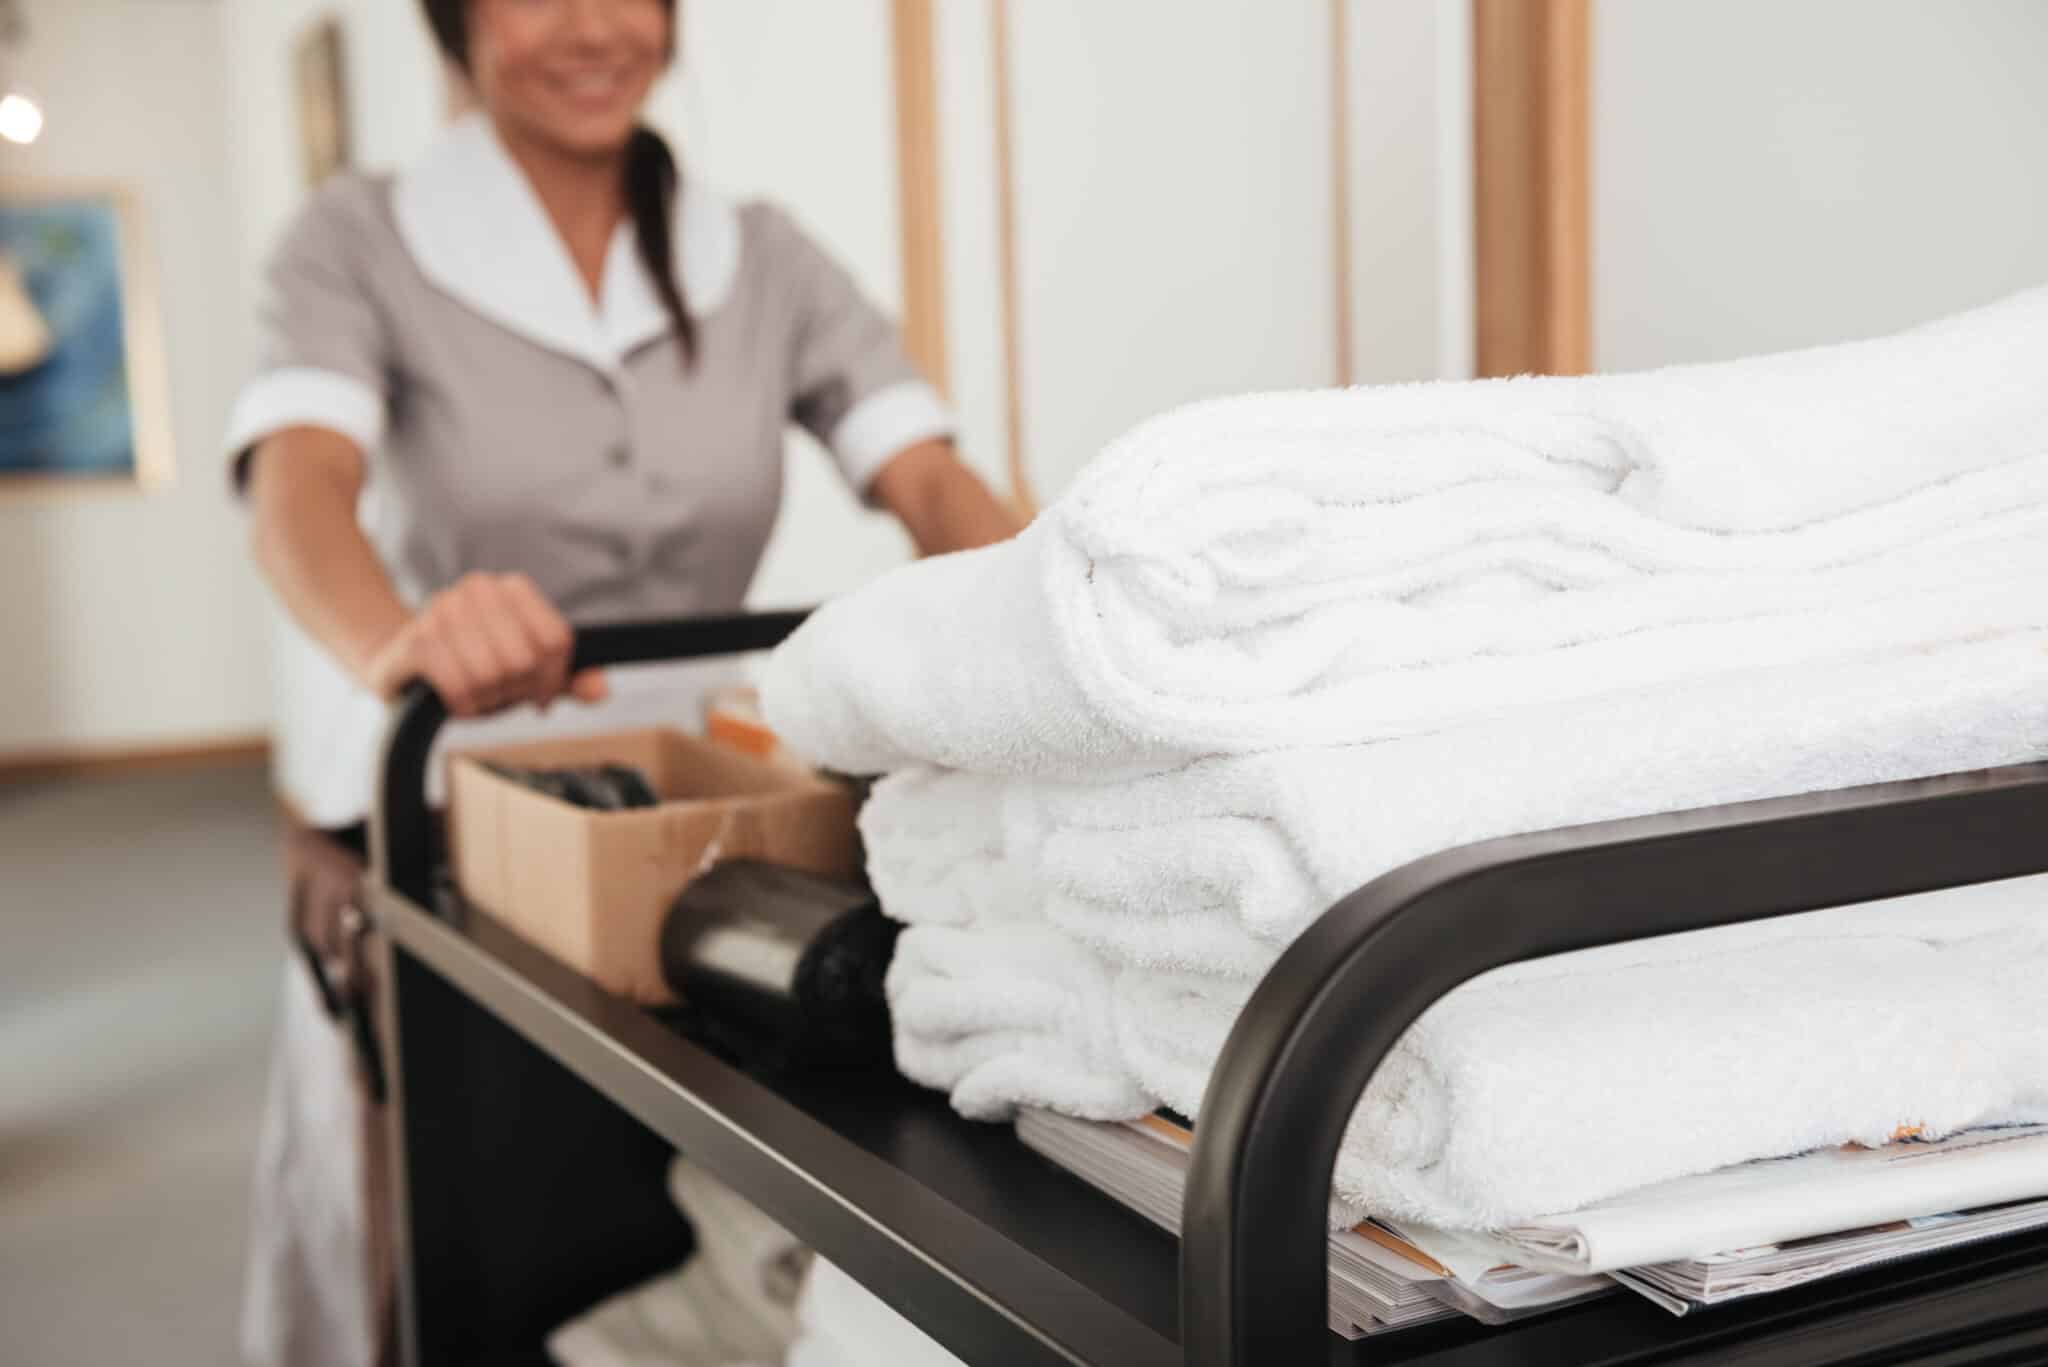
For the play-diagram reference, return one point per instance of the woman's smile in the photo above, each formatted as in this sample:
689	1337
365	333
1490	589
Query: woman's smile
594	91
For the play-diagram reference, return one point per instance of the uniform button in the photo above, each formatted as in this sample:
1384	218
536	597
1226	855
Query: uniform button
620	456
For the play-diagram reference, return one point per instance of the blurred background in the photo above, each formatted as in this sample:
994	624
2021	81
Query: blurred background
1084	213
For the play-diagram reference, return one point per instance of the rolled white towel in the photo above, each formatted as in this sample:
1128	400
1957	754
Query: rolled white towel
1544	1088
1311	569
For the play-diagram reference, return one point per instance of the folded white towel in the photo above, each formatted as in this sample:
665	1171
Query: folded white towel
987	1002
992	687
997	1013
1215	867
1212	867
1528	1093
951	849
733	1304
1287	570
1549	1084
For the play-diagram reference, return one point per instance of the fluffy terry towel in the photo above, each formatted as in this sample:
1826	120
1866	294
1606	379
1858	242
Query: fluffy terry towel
1533	1092
1328	568
1186	885
1547	1085
1213	867
951	849
733	1304
995	1014
987	1002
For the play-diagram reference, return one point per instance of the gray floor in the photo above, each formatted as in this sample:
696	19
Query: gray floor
139	949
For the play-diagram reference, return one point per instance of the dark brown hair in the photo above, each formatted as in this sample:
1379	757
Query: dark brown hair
651	182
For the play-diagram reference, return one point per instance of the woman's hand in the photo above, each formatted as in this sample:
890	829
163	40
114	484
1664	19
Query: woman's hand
489	642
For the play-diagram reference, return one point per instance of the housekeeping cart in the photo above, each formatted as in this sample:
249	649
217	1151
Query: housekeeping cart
534	1113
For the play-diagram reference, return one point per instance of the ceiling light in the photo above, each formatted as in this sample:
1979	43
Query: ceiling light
21	118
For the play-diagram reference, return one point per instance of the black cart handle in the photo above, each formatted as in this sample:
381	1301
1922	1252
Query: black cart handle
1254	1256
402	832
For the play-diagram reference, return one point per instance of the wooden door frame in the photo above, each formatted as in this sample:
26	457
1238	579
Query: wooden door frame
915	80
1532	186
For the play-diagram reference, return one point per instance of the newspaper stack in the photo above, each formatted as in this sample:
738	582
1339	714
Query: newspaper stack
1379	1280
1695	1283
1699	1241
1788	1221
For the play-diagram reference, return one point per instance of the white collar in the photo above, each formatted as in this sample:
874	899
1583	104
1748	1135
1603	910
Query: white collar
478	232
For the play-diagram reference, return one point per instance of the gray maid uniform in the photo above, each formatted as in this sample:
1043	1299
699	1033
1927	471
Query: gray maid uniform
510	424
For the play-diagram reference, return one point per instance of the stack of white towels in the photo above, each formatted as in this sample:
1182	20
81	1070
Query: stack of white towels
1268	648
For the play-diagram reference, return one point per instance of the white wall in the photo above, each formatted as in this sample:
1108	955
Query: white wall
395	99
1770	175
130	618
1174	211
1174	208
1174	239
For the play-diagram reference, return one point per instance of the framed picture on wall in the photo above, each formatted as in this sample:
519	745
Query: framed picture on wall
83	397
320	80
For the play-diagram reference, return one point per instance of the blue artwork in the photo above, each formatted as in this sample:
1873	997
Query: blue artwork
65	401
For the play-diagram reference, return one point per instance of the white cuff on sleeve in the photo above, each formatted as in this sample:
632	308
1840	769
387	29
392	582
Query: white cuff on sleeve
306	397
884	423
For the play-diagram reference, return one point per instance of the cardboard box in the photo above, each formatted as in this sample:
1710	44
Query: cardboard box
592	888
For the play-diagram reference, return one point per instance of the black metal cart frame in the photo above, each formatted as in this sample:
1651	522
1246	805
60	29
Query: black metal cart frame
531	1110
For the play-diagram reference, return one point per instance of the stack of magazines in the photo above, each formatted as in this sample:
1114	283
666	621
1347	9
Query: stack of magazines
1687	1244
1379	1278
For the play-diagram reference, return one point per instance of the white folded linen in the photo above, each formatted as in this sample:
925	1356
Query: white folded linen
1327	568
997	1013
951	849
993	687
1546	1087
987	1002
1191	882
1212	867
733	1304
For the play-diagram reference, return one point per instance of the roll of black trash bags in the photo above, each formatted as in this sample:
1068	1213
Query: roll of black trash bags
600	787
784	968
